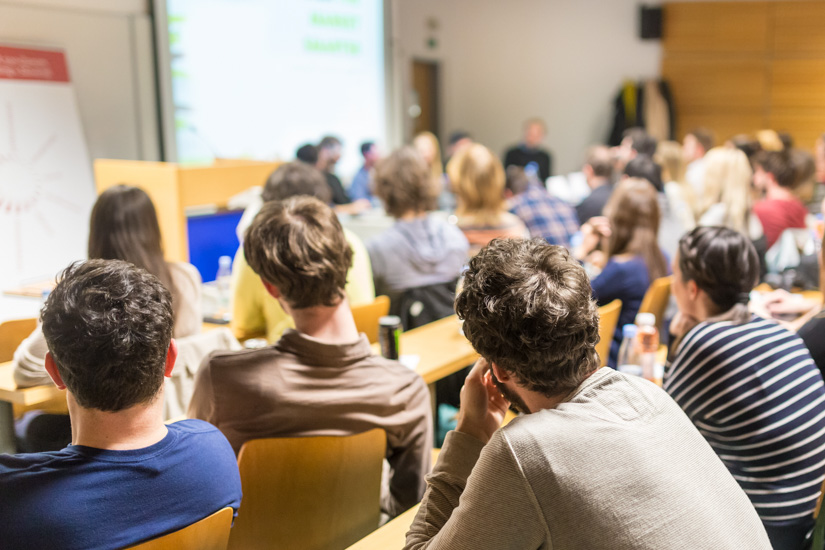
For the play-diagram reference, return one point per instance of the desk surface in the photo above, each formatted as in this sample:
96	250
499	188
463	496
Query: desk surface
36	395
391	536
441	348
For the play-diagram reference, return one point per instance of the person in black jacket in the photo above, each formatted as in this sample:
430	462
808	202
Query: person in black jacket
530	150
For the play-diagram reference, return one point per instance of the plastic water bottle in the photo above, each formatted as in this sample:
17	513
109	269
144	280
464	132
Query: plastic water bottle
223	281
648	337
629	360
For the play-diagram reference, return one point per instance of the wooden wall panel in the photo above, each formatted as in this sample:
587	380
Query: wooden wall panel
805	125
798	83
736	67
716	27
698	83
724	124
799	28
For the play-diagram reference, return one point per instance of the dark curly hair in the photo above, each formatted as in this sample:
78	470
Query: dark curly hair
108	325
527	307
724	264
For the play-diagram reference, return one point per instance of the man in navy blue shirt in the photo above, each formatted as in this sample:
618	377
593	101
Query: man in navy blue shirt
127	477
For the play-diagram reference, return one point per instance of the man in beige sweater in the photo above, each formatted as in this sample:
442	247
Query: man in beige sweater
600	460
321	377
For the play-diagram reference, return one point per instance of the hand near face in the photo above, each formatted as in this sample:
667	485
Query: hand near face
681	324
482	406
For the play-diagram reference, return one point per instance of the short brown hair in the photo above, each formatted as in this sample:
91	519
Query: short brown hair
704	136
778	164
298	246
404	183
527	307
292	179
600	161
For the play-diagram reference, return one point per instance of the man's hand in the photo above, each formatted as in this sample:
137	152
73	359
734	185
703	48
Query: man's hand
482	406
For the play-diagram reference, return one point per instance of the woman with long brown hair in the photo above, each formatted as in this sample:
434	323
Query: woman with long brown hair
124	226
628	235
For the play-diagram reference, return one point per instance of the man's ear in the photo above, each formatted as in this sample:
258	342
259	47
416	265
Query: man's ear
272	289
171	357
501	374
51	368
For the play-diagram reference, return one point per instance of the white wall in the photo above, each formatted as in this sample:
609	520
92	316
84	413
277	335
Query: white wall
504	61
108	43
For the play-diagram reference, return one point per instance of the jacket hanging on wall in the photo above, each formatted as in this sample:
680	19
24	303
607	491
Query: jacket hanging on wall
648	104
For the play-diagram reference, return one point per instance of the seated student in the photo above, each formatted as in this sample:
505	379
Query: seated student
320	378
748	384
420	249
545	216
478	180
530	150
671	227
253	309
124	226
329	153
695	146
599	460
361	187
635	142
598	170
126	477
780	209
628	240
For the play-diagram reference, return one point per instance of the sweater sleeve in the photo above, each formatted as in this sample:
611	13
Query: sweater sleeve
477	498
29	361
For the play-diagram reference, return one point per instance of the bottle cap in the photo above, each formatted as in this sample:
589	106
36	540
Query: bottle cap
646	320
629	331
389	320
224	261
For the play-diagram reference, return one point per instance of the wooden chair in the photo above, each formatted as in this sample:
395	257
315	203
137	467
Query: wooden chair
366	316
818	534
309	493
211	533
656	299
608	317
12	333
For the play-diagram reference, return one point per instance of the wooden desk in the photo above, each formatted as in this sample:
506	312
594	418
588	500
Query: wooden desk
391	536
441	348
11	395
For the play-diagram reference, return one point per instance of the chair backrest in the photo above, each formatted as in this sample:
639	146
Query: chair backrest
309	493
422	305
211	533
656	299
12	333
366	316
608	317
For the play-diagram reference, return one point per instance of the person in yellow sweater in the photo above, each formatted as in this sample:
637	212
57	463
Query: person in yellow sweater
254	312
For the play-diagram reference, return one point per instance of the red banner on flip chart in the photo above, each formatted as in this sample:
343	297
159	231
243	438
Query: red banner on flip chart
28	64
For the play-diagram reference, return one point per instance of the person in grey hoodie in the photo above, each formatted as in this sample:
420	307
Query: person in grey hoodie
420	249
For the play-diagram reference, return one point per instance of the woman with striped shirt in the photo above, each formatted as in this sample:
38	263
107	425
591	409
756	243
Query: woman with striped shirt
749	385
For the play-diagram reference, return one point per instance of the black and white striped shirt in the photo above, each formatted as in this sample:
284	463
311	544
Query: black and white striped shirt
758	398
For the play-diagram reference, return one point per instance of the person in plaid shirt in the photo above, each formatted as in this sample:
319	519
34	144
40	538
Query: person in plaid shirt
545	216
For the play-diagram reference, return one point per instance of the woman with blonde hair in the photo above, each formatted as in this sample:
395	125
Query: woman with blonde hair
477	178
727	199
628	235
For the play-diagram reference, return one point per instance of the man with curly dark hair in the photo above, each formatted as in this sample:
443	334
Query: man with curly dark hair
126	477
599	460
